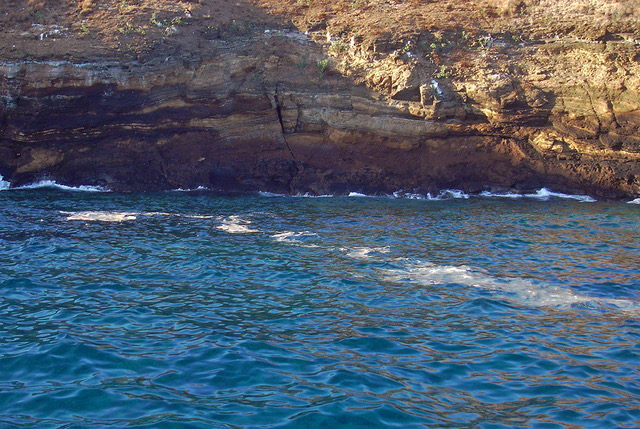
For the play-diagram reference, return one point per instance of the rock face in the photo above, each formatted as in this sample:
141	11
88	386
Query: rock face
279	111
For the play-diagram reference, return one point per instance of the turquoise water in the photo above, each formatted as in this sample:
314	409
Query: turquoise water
187	309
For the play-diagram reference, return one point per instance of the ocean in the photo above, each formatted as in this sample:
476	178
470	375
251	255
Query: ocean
194	309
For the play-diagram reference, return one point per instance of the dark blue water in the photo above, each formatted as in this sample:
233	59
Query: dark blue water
195	310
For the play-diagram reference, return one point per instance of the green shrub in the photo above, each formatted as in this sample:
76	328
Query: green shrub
443	73
338	47
322	66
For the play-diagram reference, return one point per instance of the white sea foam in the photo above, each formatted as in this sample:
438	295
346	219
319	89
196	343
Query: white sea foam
101	216
431	274
447	194
636	201
52	184
308	195
107	216
520	291
235	225
270	194
364	252
289	235
196	216
4	184
545	194
199	188
284	236
189	216
487	194
408	195
295	238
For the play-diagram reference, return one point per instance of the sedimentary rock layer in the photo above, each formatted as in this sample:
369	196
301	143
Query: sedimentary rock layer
246	119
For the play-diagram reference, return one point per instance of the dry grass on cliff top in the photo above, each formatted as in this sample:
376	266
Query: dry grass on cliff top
88	28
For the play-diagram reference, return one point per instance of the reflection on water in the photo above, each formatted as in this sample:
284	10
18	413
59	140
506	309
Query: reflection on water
317	312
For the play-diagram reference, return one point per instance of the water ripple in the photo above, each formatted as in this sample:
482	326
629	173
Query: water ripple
355	312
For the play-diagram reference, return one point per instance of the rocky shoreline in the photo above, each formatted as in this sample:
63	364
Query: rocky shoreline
280	110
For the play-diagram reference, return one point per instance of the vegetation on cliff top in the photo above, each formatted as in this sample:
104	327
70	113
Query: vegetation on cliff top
138	28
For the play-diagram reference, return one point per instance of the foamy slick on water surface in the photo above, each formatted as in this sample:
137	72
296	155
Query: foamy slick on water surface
107	216
364	252
296	238
290	235
100	216
519	291
284	237
235	225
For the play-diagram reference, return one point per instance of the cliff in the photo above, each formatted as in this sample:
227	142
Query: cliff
322	97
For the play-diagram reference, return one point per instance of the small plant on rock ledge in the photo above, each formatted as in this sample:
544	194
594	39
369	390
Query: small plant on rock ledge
154	20
322	66
444	72
128	28
235	27
84	30
338	47
485	41
125	8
